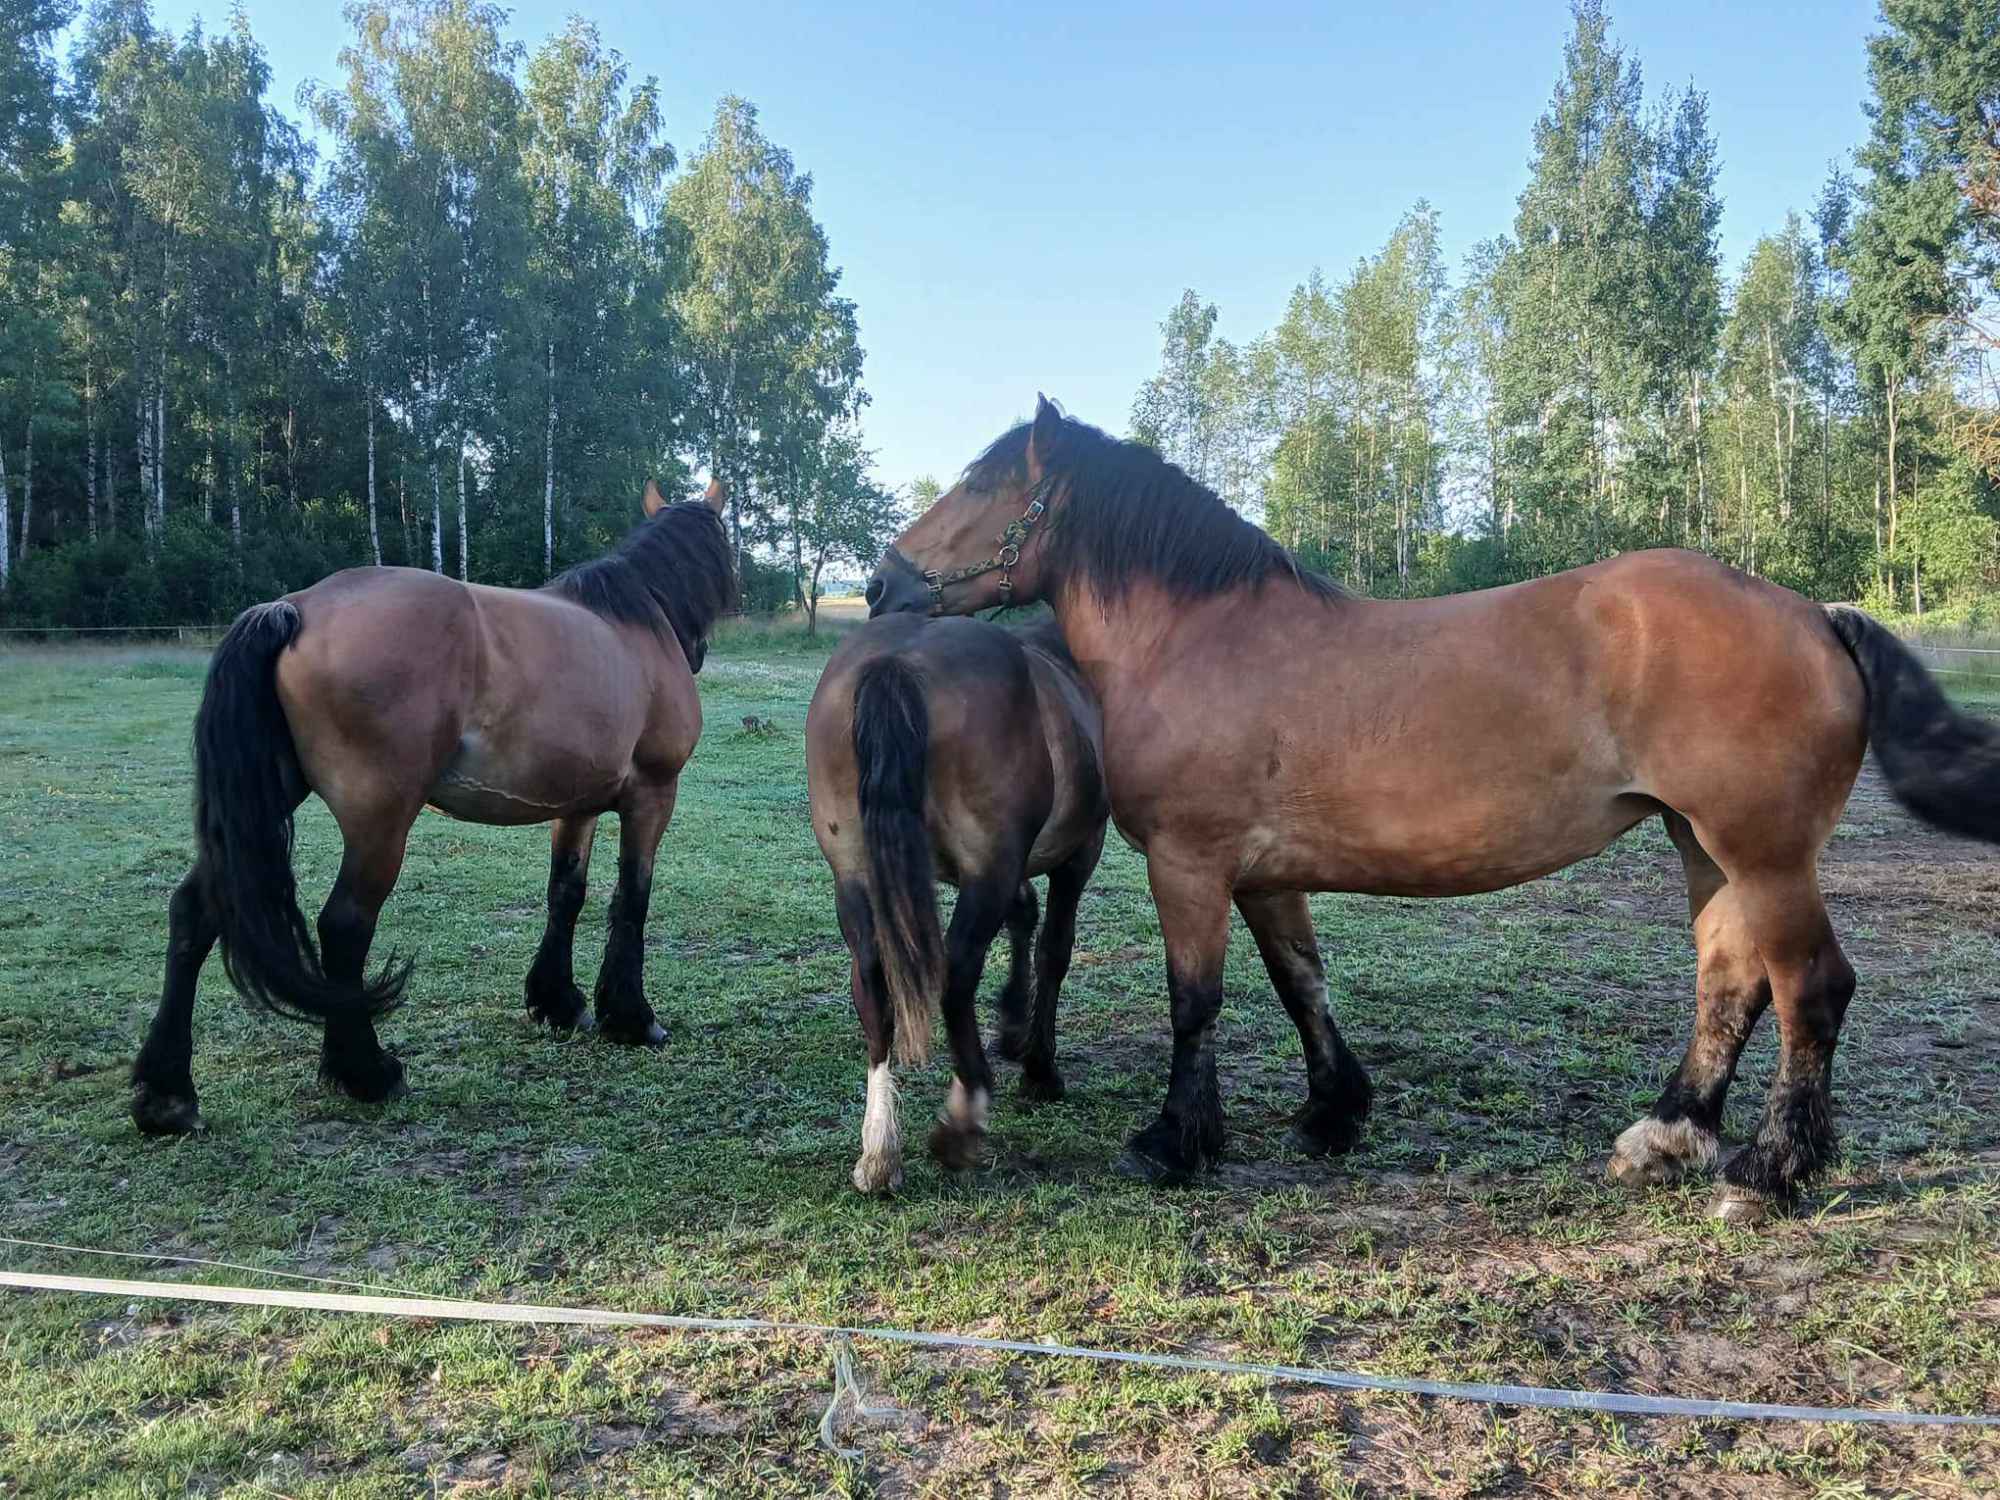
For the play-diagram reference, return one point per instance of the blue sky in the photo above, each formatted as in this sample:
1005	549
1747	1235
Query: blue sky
1018	194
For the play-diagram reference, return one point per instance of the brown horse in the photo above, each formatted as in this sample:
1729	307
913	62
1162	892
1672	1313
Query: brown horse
953	750
383	689
1266	735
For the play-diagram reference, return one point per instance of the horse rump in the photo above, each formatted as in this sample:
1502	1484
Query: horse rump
247	785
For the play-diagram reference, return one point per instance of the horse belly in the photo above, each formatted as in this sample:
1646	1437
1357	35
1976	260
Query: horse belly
1450	847
479	785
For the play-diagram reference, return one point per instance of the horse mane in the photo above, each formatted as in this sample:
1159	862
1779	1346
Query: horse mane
1130	514
672	574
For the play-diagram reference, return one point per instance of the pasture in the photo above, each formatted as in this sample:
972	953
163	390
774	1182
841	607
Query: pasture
1471	1236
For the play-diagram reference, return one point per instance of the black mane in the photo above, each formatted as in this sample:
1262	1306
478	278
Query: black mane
672	573
1129	514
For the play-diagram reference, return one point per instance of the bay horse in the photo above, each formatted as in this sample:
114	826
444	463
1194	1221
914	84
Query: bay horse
386	689
1266	735
953	750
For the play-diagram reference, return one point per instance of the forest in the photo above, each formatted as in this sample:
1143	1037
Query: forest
462	341
1826	414
457	312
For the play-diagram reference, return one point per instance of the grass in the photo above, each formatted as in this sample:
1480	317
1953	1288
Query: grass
1471	1237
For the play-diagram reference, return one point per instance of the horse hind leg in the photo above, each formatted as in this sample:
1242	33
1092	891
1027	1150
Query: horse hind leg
163	1096
1338	1091
1811	984
1012	1038
1039	1078
351	1056
879	1169
1682	1132
975	922
552	995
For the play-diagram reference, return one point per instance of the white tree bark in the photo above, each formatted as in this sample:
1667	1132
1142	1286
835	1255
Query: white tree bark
28	488
90	447
461	509
549	474
6	522
374	534
437	520
160	445
142	446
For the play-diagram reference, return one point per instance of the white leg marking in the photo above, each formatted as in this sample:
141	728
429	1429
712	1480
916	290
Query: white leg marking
880	1169
965	1109
1660	1151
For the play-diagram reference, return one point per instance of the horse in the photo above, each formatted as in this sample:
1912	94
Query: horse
1266	734
953	750
384	690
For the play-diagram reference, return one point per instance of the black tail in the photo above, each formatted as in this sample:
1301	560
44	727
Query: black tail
246	784
892	733
1943	764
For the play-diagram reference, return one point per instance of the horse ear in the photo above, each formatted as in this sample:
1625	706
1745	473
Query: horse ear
655	502
1042	436
717	496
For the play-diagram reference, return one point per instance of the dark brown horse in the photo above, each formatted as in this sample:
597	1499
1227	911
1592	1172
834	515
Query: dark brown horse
953	750
1266	735
383	689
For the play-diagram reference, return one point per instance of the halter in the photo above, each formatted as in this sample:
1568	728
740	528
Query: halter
1004	560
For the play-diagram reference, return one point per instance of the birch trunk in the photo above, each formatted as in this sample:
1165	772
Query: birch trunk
462	578
6	522
374	533
437	520
90	447
549	475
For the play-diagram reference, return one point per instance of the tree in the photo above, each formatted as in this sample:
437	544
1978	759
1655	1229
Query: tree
847	516
924	492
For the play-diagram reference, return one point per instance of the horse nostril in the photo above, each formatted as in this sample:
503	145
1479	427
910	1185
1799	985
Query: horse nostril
873	593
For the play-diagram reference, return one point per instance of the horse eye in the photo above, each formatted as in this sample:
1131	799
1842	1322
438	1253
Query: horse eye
873	593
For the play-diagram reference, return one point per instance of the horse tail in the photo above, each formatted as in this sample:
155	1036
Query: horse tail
892	731
1941	763
247	782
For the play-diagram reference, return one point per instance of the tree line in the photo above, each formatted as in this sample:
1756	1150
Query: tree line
1827	416
462	342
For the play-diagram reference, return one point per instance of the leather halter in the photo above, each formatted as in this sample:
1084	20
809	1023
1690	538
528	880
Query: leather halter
1005	559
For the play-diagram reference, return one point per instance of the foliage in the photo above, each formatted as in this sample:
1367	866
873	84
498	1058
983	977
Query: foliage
464	344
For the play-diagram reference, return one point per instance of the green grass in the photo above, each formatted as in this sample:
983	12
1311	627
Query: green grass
1471	1236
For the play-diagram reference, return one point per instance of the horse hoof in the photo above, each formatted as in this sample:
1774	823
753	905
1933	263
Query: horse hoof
1653	1153
1740	1207
877	1176
652	1034
1324	1133
955	1150
1042	1088
156	1113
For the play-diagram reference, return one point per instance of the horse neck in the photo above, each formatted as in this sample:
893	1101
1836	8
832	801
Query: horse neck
1115	640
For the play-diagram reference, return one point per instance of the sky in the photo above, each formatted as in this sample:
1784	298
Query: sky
1016	196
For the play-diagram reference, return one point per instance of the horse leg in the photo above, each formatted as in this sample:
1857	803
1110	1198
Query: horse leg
1039	1078
622	1012
1011	1041
880	1167
1194	921
1338	1092
163	1097
975	922
351	1057
1811	984
552	994
1731	991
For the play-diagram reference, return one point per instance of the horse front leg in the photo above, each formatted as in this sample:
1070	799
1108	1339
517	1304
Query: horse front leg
622	1012
552	995
1193	903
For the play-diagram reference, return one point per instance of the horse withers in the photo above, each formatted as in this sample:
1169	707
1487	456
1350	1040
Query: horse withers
386	689
961	751
1266	734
